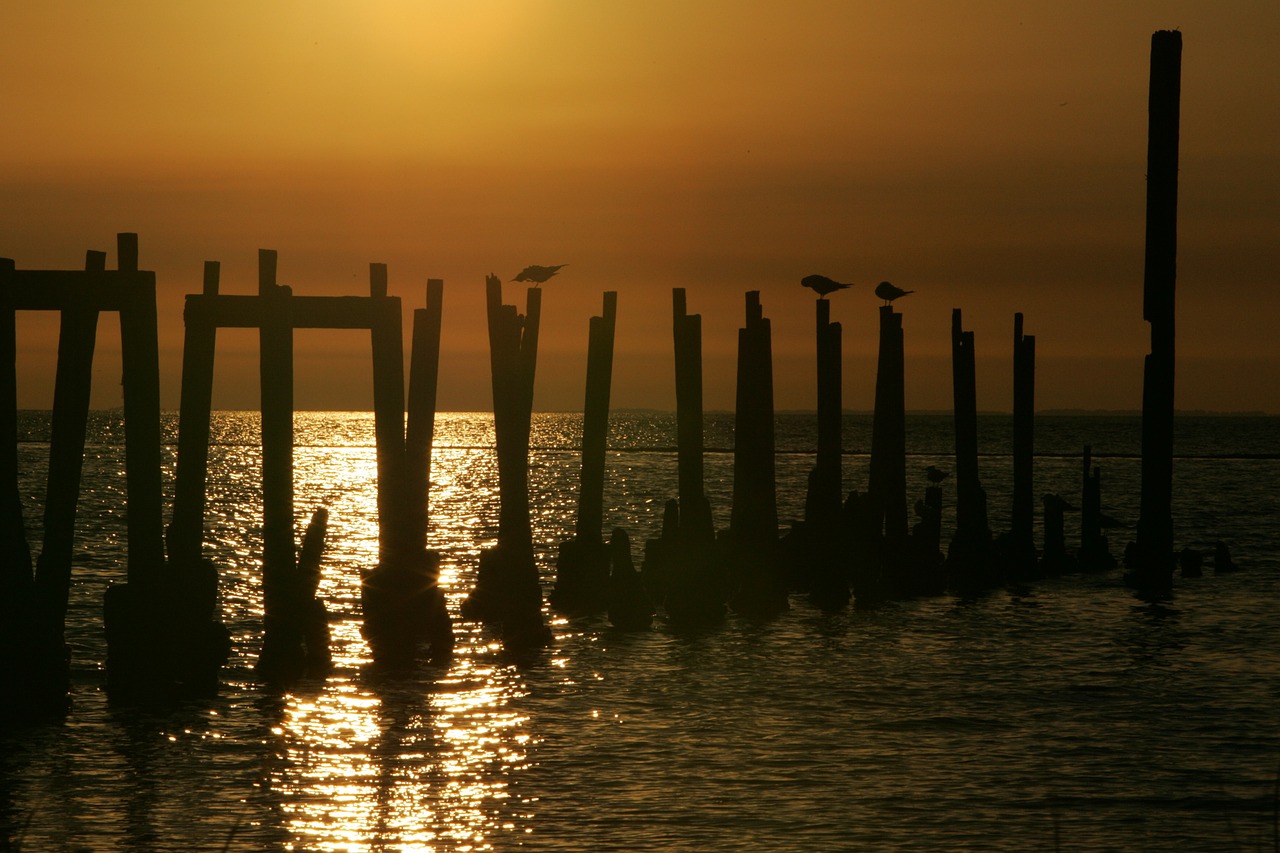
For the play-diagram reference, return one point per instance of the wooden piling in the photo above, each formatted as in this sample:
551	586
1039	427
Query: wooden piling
755	502
687	334
826	498
1154	553
15	553
969	557
186	529
386	337
140	352
76	340
758	585
507	592
595	420
888	475
1024	385
276	376
424	364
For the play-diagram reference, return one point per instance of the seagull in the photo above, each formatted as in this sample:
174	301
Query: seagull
936	475
1052	500
889	292
537	274
822	285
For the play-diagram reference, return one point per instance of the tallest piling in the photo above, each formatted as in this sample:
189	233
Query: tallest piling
1153	555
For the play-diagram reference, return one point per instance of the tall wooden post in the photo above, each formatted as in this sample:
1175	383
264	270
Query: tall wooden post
825	501
582	564
420	430
755	500
76	340
1024	388
888	475
1154	552
186	530
595	421
695	517
386	337
969	555
276	375
140	352
507	590
759	588
15	553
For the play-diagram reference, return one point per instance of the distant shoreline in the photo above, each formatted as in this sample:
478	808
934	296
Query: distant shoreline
1181	413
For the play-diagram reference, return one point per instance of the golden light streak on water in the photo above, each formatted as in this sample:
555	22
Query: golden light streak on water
423	763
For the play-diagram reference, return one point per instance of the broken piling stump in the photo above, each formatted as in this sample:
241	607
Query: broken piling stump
969	559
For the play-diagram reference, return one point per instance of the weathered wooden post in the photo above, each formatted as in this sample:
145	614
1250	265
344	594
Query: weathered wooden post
507	592
15	553
386	338
582	566
1153	557
1023	553
424	372
754	556
968	558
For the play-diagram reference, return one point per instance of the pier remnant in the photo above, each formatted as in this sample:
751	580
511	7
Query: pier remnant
1152	558
1095	551
507	594
582	566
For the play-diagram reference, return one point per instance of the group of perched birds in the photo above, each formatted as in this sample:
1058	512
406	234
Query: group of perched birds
822	285
819	284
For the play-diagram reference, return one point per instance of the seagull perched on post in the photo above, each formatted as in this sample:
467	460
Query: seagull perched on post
936	475
822	285
538	274
889	292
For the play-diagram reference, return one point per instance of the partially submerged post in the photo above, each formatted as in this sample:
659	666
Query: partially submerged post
1152	557
582	566
507	593
752	540
968	559
1095	551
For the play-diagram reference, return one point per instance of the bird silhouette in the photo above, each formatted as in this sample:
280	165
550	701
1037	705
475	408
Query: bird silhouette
822	285
936	475
1052	500
538	274
889	292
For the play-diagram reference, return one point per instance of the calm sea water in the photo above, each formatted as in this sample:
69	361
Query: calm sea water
1067	714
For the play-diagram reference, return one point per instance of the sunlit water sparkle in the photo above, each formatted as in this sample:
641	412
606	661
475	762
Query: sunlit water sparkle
1068	709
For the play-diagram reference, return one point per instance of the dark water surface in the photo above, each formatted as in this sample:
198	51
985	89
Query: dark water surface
1068	713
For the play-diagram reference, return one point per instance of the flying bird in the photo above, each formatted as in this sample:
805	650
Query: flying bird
936	475
889	292
538	274
822	285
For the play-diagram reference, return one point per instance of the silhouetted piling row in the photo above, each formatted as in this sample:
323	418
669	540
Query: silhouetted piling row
164	636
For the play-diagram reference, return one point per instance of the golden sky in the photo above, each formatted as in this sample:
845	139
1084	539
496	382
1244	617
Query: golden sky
989	155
